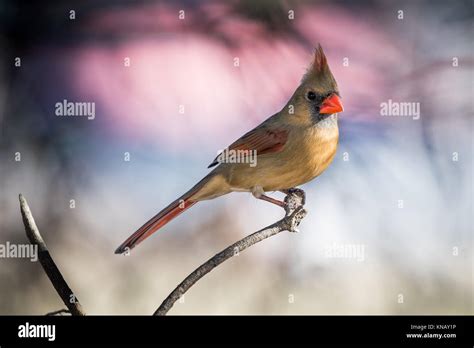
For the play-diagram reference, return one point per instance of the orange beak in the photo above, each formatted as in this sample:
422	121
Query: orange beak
331	105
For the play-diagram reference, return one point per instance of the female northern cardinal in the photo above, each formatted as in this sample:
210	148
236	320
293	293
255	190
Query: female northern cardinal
292	147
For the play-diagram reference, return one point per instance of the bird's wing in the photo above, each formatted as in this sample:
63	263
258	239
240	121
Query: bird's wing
263	139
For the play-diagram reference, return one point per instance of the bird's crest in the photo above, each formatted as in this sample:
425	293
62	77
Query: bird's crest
320	62
319	65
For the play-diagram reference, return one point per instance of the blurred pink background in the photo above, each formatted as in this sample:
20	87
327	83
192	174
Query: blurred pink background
422	251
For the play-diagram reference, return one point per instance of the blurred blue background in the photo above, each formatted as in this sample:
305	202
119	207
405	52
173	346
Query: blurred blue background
168	96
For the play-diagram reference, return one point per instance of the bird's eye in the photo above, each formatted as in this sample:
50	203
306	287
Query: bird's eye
311	95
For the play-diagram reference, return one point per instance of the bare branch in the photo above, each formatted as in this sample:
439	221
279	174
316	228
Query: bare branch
295	212
52	271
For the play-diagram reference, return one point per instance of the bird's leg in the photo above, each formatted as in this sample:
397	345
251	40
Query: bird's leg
272	200
258	193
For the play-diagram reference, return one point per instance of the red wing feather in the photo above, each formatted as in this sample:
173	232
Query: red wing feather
261	139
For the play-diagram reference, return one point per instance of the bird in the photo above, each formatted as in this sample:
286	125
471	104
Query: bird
290	148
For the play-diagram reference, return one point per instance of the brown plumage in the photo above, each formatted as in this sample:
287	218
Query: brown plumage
291	148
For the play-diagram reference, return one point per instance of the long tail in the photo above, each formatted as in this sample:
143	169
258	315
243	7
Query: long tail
162	218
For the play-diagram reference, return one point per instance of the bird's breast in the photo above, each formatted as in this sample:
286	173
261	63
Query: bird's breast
307	153
314	152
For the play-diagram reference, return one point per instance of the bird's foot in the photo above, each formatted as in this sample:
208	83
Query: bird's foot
293	205
295	198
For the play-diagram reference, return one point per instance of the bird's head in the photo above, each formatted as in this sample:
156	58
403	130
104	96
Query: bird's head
317	97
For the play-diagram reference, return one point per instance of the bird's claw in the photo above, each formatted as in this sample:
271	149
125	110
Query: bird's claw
298	192
294	198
